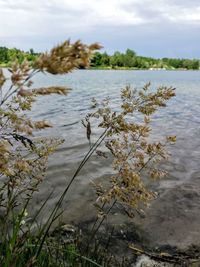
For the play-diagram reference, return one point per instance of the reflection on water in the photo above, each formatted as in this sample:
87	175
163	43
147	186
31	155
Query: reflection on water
181	117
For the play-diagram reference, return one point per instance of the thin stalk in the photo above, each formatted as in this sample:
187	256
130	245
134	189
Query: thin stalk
100	223
7	95
50	220
93	227
72	252
41	208
16	229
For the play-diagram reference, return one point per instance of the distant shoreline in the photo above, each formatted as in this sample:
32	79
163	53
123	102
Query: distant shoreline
128	60
4	66
151	69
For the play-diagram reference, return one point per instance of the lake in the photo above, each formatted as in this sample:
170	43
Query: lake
174	218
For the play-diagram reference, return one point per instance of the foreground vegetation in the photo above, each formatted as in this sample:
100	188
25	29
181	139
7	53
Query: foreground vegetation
24	159
127	60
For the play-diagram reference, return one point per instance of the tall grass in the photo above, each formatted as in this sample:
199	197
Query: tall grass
23	161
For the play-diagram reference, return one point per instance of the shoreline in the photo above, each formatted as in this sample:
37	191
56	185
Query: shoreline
150	69
4	66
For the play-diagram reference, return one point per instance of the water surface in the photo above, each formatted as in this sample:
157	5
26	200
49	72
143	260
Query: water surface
178	207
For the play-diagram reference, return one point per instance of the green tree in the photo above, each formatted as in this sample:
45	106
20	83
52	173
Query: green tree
117	60
105	59
96	59
32	51
4	58
130	53
129	58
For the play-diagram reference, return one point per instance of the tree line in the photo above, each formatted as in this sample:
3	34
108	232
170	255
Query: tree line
8	55
129	59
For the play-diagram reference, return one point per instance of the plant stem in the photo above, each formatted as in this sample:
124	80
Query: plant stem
50	220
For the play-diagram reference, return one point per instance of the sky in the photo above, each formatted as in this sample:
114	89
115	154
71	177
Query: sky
157	28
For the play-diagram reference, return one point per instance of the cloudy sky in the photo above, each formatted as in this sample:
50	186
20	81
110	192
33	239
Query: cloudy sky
155	28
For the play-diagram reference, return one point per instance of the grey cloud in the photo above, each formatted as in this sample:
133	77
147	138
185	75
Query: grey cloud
146	40
43	24
45	8
162	11
184	3
152	40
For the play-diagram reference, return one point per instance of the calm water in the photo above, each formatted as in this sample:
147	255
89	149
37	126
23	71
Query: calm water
181	117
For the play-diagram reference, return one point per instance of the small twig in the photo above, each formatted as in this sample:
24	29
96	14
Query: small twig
7	95
164	257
